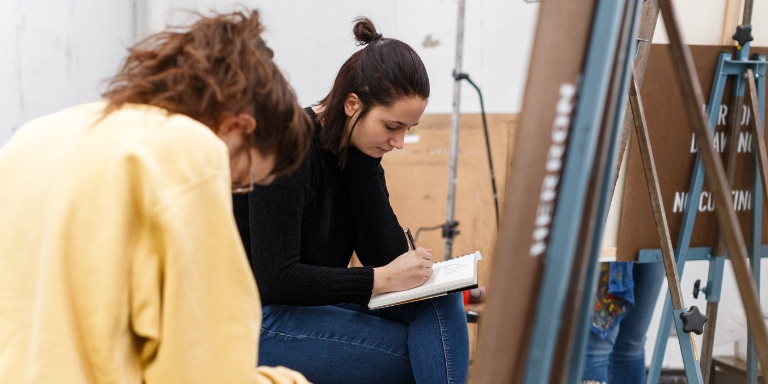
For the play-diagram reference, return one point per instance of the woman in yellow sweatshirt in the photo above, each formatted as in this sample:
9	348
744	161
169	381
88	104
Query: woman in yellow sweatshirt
120	261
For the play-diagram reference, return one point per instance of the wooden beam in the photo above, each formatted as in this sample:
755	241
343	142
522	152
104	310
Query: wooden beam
648	19
730	20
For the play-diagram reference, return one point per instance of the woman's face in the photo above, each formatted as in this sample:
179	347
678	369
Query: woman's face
247	165
383	129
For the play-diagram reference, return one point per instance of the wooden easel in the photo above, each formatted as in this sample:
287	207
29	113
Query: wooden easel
740	68
506	352
589	45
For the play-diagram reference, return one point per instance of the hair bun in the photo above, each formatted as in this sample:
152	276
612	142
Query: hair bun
365	31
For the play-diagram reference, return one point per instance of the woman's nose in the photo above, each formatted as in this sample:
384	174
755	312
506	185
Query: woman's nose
398	140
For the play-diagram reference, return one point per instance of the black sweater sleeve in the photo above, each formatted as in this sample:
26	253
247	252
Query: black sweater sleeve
276	221
380	238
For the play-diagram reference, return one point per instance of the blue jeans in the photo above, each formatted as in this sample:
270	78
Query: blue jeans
425	342
620	358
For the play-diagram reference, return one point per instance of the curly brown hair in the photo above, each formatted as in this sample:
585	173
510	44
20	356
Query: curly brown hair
217	66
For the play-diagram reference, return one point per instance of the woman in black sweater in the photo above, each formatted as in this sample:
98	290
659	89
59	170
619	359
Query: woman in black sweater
301	232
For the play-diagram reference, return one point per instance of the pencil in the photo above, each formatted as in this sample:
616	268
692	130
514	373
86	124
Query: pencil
410	239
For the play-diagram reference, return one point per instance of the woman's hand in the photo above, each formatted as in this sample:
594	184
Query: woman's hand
408	270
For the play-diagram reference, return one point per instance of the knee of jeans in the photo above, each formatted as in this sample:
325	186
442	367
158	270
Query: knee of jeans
629	349
451	298
453	301
599	348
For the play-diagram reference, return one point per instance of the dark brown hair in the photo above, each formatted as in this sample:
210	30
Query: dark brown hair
385	71
217	66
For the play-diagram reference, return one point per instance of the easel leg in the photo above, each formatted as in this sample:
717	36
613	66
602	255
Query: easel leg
714	285
715	276
762	160
692	369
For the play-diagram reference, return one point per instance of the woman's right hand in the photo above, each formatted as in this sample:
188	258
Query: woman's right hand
408	270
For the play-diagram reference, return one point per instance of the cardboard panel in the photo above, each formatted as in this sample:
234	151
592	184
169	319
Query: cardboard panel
417	178
674	149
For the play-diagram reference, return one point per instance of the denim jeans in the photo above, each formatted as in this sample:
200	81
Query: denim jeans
620	358
424	341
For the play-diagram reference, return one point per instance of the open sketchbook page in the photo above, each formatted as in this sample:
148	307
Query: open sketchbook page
447	276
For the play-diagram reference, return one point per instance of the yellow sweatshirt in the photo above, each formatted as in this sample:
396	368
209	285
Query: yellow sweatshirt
120	261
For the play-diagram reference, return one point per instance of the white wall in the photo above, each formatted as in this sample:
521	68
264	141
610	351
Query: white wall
54	53
311	40
702	22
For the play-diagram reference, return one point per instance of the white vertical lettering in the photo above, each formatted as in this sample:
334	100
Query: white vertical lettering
744	201
566	93
680	199
745	142
741	200
560	128
544	214
702	204
723	113
548	186
537	248
540	233
555	158
746	115
553	165
719	141
694	144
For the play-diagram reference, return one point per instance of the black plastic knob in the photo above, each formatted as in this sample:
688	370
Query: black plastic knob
743	35
693	320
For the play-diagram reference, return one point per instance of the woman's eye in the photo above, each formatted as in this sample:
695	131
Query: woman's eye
391	128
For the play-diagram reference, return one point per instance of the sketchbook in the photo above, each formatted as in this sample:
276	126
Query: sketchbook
448	276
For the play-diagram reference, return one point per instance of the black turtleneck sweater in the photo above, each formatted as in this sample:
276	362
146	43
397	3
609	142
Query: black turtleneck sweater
300	231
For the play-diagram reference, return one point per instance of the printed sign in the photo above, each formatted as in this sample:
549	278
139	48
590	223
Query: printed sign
674	148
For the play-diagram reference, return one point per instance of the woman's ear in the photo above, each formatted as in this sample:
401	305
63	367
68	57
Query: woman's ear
352	104
233	130
247	123
242	123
